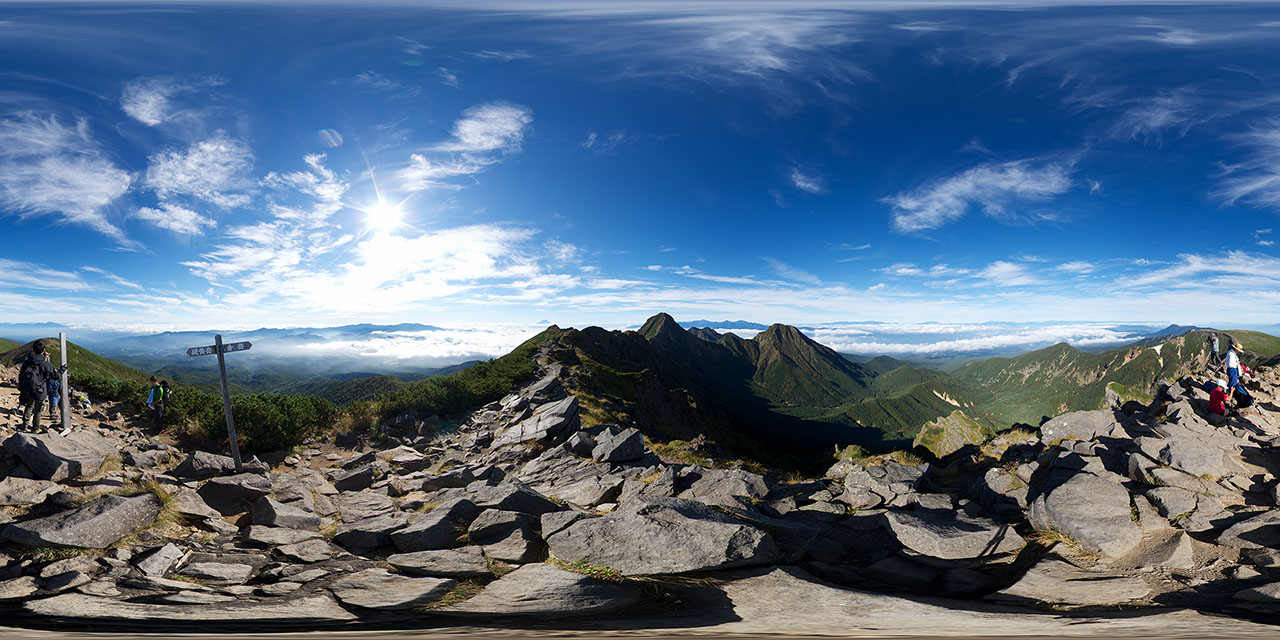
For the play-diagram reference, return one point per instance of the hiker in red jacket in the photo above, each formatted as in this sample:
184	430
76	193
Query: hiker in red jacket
1218	398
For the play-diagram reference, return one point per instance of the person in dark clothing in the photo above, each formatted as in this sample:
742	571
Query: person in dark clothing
33	385
156	399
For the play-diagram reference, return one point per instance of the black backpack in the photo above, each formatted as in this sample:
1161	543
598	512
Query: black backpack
29	380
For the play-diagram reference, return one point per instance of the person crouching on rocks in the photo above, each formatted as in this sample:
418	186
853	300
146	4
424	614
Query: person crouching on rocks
1218	403
155	400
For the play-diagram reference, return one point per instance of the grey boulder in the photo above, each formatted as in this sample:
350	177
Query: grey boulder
382	590
23	491
664	536
1079	425
467	562
270	513
547	421
951	536
53	457
1093	510
438	529
618	446
542	590
230	495
94	525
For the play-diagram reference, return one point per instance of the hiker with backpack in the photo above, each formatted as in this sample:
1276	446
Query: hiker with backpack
33	385
156	399
1213	344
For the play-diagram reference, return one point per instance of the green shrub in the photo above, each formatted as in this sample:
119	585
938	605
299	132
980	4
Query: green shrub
270	422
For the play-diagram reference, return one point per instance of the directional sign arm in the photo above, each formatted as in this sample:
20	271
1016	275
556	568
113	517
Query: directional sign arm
212	349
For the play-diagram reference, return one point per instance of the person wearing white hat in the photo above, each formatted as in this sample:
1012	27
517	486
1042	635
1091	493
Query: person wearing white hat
1218	398
1233	369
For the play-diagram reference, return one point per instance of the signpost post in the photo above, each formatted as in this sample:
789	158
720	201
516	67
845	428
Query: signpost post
219	349
66	389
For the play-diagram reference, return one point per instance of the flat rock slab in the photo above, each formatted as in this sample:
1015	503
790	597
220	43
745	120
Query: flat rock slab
94	525
1079	425
789	602
546	591
1094	510
1259	532
23	491
274	536
385	591
467	562
53	457
309	551
1053	581
952	538
662	536
313	608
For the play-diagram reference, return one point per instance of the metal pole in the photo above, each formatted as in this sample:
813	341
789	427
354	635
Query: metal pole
226	404
66	388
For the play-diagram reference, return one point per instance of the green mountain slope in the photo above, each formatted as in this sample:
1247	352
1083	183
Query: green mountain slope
780	389
1062	378
8	345
80	361
1263	344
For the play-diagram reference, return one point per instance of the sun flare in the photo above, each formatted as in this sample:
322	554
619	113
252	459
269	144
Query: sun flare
384	216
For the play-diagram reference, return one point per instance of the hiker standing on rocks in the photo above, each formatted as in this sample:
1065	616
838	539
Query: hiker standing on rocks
1233	369
33	385
1213	343
55	397
156	399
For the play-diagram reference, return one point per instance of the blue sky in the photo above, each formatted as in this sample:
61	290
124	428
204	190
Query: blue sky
583	162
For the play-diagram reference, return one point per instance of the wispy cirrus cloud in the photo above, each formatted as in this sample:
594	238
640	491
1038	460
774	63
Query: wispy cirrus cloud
57	169
215	170
1150	118
501	56
481	137
806	182
26	275
151	100
1235	270
1256	179
994	188
380	82
175	218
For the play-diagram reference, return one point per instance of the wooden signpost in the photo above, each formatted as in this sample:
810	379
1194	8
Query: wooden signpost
66	389
219	349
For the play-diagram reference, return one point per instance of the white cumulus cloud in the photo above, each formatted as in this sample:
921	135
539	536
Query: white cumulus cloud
494	126
995	188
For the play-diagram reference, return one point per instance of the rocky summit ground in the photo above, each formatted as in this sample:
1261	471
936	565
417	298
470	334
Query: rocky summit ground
1137	521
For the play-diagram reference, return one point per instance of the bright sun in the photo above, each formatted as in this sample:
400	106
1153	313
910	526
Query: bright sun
384	216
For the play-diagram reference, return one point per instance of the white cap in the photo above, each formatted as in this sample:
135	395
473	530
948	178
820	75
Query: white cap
1222	383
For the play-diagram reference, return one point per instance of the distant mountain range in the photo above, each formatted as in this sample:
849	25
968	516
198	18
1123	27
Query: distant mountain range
780	390
786	390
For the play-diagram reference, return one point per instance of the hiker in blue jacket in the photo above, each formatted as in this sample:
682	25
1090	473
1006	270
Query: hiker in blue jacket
33	385
55	397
